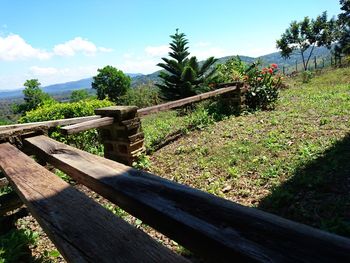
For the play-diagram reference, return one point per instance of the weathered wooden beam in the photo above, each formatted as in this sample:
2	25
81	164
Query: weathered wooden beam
216	229
87	125
82	230
50	124
185	101
9	202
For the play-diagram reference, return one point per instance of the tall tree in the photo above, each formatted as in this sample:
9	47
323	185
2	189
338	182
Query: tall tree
33	96
183	76
343	45
305	36
110	82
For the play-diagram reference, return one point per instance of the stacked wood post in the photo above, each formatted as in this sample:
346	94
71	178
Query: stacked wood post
234	100
123	140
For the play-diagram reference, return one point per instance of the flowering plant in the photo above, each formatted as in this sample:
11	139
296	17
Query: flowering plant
264	83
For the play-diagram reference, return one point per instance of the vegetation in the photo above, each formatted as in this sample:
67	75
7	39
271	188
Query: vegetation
33	96
264	83
291	161
183	76
141	96
87	140
78	95
343	45
110	83
305	34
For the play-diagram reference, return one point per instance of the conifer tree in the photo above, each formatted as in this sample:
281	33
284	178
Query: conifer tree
183	76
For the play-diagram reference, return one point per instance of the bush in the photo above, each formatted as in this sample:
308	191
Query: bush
306	76
142	96
88	140
264	83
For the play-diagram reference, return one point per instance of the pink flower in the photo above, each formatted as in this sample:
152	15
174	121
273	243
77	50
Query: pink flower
274	65
270	70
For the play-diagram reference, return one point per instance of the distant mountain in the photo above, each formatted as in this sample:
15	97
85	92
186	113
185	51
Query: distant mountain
321	53
61	87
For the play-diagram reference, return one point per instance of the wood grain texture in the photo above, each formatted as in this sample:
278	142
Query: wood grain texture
50	124
87	125
214	228
82	230
185	101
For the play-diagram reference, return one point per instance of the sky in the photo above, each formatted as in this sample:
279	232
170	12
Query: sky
57	41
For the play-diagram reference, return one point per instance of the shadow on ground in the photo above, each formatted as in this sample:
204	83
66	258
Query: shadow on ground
319	192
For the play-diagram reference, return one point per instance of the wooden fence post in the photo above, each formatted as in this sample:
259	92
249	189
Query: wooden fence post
123	140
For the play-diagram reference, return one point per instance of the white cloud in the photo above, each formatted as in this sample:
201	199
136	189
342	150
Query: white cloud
13	47
105	49
78	44
139	65
204	53
202	44
50	75
157	51
42	71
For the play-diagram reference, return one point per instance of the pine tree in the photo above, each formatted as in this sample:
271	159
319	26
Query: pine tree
183	76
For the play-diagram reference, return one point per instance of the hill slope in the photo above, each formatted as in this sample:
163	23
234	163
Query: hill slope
292	161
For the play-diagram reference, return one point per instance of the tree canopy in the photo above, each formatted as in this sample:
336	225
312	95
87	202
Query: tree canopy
343	45
306	34
183	76
110	82
33	96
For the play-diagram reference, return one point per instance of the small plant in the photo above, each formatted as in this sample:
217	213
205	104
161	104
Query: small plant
14	245
306	76
142	163
264	83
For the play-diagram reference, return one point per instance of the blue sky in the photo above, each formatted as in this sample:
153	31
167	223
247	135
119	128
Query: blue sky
59	41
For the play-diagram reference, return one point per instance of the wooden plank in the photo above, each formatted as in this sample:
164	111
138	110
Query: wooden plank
82	230
50	124
13	135
9	202
185	101
214	228
87	125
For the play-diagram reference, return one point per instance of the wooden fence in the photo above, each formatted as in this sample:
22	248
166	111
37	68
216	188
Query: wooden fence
214	229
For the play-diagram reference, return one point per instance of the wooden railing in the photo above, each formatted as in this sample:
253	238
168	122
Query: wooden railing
214	229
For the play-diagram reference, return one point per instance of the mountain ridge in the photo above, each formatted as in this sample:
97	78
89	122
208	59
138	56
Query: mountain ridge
138	78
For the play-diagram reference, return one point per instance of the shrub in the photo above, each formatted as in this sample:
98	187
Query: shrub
306	76
264	83
86	140
142	96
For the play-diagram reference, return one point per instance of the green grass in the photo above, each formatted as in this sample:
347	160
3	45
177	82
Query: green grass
292	161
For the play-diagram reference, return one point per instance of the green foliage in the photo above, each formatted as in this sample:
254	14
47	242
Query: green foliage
142	162
343	45
306	76
110	83
33	97
86	140
14	245
142	96
232	70
264	84
78	95
183	76
307	33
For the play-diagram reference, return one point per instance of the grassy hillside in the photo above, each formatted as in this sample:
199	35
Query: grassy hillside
292	161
